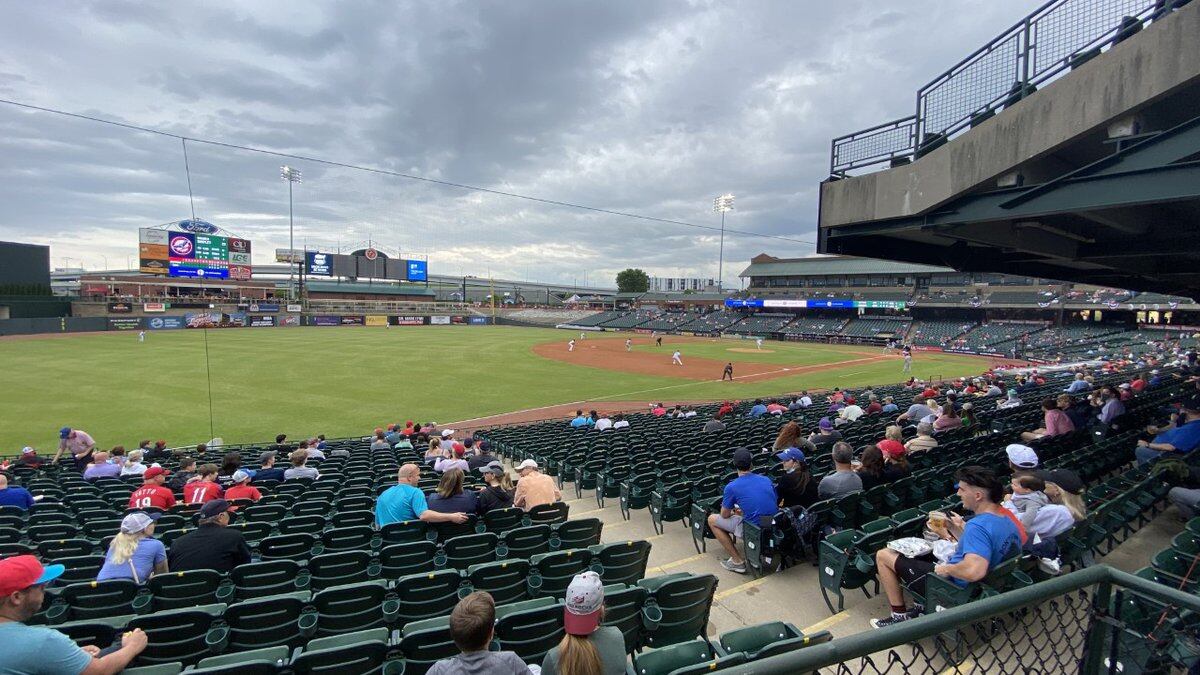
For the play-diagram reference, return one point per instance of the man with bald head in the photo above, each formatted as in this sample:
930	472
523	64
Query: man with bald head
405	501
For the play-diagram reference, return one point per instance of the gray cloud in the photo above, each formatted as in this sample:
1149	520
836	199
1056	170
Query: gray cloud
649	107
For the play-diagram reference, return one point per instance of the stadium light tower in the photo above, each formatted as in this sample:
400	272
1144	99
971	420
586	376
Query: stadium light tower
721	205
290	175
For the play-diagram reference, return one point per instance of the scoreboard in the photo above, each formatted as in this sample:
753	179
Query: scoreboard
192	248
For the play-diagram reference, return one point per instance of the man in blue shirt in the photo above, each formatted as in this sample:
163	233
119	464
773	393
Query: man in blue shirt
580	420
987	540
747	497
1182	438
759	409
404	501
14	496
1079	385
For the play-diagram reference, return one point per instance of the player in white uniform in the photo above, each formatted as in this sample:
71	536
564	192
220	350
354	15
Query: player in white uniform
583	336
571	346
907	361
676	359
628	345
758	342
141	336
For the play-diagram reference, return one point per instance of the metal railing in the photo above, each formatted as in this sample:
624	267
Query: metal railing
1058	36
1095	620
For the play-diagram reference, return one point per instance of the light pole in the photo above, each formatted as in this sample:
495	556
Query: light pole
721	205
291	176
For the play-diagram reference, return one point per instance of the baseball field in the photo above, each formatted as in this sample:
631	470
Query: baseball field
346	380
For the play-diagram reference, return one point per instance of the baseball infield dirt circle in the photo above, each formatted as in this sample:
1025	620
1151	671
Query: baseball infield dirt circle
611	355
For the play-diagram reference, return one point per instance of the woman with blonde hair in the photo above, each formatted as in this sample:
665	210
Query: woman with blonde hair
134	553
499	491
133	465
450	496
588	648
434	451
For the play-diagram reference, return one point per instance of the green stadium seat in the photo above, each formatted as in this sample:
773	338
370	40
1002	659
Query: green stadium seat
272	577
635	492
621	562
266	661
471	549
353	518
79	568
349	538
623	609
767	639
670	504
526	542
506	580
548	514
424	643
305	524
285	620
531	632
176	590
678	607
340	568
398	560
695	656
447	531
359	653
93	599
177	635
354	607
405	531
551	573
299	546
52	549
423	596
579	533
499	521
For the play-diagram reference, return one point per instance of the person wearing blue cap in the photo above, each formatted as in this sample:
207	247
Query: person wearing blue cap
37	649
750	496
78	442
796	486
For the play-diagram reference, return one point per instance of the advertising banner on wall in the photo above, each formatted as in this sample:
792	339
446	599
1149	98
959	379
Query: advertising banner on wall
215	319
479	320
120	308
152	251
352	321
154	307
376	320
165	322
295	308
324	320
439	321
458	319
261	321
410	321
240	272
289	320
264	307
125	323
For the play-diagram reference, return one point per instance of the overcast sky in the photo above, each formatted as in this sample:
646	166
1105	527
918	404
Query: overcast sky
640	106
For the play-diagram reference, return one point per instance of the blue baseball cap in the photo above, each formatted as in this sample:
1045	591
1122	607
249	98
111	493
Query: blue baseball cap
64	432
794	454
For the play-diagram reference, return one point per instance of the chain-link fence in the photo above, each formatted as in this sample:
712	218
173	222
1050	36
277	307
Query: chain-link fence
1096	620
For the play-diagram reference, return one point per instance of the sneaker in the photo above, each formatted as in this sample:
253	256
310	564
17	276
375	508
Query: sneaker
728	564
890	620
1051	566
916	611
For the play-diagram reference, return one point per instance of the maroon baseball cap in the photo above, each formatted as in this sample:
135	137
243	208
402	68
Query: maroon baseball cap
155	472
22	571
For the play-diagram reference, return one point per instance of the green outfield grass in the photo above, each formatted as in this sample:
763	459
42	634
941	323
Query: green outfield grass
345	381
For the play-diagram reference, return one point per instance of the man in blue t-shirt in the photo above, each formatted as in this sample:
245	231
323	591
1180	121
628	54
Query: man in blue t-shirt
747	497
1183	438
984	541
14	496
758	410
580	420
404	501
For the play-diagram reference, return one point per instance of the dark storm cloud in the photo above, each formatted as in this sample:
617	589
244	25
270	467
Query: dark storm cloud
646	107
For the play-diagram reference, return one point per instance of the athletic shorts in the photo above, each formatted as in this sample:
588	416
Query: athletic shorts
732	524
912	571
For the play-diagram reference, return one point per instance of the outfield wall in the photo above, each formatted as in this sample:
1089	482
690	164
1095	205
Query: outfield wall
218	319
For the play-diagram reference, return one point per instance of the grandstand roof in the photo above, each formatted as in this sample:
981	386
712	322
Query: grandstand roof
769	266
372	289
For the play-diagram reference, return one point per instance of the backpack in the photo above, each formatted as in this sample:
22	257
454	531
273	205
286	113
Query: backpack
796	530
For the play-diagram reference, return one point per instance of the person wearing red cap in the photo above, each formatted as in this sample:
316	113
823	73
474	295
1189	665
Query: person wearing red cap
36	649
153	494
587	647
453	459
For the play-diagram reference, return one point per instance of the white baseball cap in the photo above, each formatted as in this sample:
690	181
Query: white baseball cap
527	464
584	602
1021	456
27	450
447	433
239	476
136	522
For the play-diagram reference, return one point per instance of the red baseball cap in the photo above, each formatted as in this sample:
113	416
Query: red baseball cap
22	571
155	472
891	448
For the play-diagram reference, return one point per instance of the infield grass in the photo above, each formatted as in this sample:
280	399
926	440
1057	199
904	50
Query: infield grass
345	381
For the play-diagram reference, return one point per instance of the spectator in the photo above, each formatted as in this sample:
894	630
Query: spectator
983	542
796	486
452	459
472	623
874	407
382	443
895	460
851	412
203	487
434	451
231	463
1051	520
404	501
212	545
101	467
133	466
117	456
792	436
1078	385
844	479
153	494
774	408
299	459
1028	497
77	442
582	421
157	453
241	488
805	399
948	420
587	648
180	477
534	488
268	471
725	409
658	410
604	423
499	491
15	496
1012	401
1065	488
924	439
29	458
758	410
825	437
447	436
481	458
281	445
1183	438
889	406
450	496
714	425
37	649
795	404
393	434
916	412
1079	414
1110	406
1056	423
749	496
134	553
969	421
619	422
870	470
311	451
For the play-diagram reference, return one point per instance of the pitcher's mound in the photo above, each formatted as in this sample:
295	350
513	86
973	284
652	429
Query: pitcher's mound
746	350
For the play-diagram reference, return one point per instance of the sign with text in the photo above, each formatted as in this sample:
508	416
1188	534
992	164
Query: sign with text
154	307
120	308
439	321
410	321
325	321
165	322
376	320
319	264
125	323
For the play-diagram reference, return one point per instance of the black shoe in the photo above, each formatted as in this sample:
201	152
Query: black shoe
890	620
916	611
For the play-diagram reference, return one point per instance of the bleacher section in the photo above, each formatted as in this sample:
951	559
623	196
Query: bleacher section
762	324
989	335
937	333
816	326
893	327
1035	297
668	321
630	319
551	317
597	319
712	322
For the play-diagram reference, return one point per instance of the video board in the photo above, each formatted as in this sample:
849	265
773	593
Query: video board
192	248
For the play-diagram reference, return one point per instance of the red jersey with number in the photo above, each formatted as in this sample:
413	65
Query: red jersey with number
151	495
243	492
198	492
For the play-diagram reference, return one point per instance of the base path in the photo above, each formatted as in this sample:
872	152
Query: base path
611	355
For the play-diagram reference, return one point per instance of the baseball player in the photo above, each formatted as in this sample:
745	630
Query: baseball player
676	358
583	336
758	342
658	341
728	372
141	336
907	360
628	345
571	346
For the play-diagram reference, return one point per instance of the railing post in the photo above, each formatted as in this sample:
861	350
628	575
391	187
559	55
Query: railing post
1093	648
1026	56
